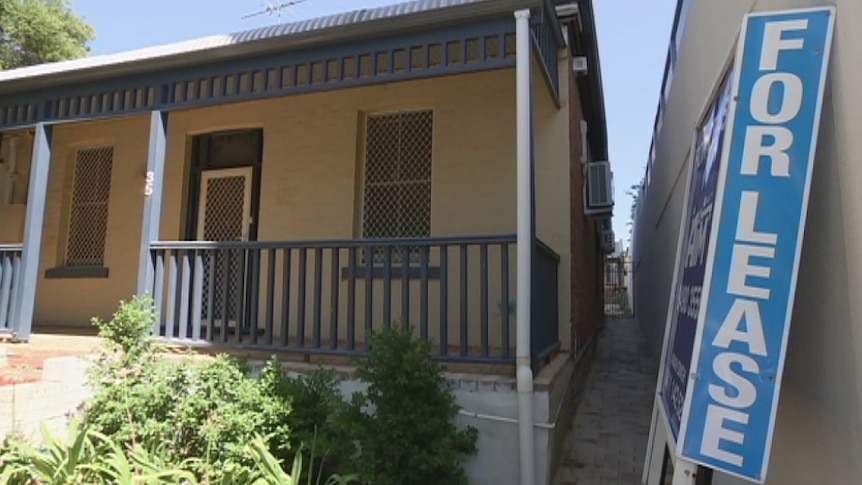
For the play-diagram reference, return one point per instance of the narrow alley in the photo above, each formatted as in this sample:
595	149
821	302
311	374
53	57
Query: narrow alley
610	429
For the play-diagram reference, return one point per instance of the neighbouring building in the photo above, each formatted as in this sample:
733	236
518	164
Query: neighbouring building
818	432
286	189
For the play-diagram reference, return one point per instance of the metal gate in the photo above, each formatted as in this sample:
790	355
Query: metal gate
618	294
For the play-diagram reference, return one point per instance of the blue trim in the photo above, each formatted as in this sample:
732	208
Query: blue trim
97	272
154	182
547	41
25	298
250	78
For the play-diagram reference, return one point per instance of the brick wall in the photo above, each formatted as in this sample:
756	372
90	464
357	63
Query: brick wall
586	262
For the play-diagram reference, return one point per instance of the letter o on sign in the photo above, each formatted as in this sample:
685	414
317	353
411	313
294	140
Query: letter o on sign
791	101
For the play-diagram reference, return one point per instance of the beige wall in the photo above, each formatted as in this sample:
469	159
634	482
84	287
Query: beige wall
553	185
75	301
12	216
314	137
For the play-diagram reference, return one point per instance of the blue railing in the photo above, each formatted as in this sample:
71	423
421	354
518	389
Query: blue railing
10	268
548	40
324	297
545	308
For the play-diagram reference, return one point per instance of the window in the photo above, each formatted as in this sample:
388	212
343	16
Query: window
397	189
88	210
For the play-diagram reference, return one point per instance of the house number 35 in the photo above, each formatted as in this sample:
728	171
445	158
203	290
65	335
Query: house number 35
148	186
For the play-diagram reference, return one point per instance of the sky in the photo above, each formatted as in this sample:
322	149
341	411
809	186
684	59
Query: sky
633	38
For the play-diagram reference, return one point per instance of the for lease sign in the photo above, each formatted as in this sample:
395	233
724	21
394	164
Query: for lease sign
750	277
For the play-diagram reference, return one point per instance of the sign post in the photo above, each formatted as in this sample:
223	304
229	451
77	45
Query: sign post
740	245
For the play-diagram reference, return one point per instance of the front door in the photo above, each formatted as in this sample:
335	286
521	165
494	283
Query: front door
224	209
224	214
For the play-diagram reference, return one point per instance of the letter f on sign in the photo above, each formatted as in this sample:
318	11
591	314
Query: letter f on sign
773	43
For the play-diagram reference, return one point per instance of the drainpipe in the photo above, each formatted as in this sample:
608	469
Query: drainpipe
12	169
523	70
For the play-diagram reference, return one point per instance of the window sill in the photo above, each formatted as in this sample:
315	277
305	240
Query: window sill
65	272
396	272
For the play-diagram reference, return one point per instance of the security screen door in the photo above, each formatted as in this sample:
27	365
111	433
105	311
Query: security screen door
224	214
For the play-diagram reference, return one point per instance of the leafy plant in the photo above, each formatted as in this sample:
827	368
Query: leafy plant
138	465
404	421
207	421
207	410
41	31
96	459
56	463
319	415
130	327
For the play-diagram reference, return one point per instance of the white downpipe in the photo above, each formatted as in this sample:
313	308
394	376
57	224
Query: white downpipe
523	70
12	169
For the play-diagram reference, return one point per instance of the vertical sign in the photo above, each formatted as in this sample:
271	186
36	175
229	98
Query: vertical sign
762	197
695	241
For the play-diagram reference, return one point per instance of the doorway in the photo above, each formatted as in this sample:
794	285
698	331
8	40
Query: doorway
222	158
222	207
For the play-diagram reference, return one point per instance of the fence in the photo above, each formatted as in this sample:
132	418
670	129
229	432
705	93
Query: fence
618	293
10	268
324	297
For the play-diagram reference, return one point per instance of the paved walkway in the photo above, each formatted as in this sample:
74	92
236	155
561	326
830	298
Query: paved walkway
609	433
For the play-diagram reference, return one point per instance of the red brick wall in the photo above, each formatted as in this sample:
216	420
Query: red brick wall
587	259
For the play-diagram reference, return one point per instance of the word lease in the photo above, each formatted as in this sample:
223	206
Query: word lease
738	356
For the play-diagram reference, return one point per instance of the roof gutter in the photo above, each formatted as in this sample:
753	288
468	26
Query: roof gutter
242	44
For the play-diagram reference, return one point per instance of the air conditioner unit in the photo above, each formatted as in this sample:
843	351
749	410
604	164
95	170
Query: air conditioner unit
579	65
608	241
599	193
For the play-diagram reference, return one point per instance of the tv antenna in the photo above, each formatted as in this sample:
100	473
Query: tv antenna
270	8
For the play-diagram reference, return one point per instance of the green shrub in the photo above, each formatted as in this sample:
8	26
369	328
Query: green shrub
201	416
404	421
318	415
129	329
93	458
56	462
207	409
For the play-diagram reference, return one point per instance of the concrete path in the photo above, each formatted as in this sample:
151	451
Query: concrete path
608	436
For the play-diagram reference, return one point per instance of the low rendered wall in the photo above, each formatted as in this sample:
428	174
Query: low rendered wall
490	404
53	400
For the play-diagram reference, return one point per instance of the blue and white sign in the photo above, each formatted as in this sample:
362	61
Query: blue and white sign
762	198
694	247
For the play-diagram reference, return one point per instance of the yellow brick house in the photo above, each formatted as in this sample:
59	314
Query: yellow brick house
287	189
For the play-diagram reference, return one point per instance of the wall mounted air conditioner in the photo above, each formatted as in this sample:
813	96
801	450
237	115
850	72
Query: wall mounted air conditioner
579	65
599	193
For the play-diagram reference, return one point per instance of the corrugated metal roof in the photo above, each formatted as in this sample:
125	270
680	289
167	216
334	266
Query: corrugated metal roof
253	40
